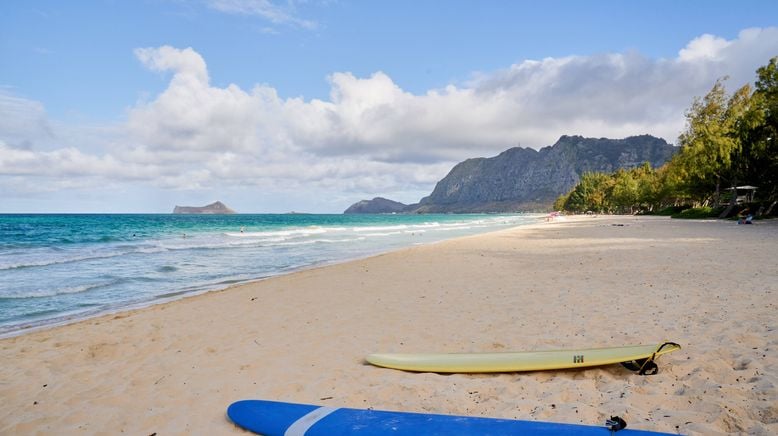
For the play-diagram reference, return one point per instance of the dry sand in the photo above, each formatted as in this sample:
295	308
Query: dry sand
711	286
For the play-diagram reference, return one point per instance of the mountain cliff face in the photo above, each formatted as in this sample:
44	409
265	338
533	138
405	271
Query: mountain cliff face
523	179
526	179
376	205
211	209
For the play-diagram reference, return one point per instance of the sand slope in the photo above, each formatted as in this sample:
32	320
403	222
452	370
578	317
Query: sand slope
711	286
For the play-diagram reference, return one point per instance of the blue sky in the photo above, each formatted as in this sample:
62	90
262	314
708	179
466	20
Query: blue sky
134	106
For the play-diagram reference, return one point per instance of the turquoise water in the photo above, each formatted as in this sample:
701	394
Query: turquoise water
54	268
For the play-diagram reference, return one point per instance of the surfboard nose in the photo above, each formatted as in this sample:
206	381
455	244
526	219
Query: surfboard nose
275	417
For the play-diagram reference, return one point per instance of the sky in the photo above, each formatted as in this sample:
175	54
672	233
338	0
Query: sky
273	106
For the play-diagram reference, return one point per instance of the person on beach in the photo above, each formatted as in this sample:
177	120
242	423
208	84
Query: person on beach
745	217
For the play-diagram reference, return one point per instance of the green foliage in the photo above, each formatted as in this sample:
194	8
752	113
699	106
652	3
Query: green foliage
761	129
710	142
697	213
591	194
729	140
559	204
670	210
625	191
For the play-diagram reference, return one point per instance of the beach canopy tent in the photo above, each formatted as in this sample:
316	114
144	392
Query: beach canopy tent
743	194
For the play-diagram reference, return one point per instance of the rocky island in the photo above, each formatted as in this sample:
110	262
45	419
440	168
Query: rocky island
217	208
377	205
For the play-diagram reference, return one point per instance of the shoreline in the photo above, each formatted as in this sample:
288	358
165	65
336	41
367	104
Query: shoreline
65	319
302	337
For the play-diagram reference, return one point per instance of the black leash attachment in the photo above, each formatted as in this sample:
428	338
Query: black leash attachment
646	366
615	423
642	366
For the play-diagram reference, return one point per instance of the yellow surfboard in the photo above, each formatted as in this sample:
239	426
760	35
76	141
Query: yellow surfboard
636	357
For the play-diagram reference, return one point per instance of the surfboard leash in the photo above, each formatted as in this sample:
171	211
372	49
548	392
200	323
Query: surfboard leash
642	366
647	366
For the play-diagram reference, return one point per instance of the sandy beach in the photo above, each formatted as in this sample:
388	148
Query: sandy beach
711	286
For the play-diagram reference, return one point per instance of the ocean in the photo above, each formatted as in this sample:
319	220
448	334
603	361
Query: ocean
57	268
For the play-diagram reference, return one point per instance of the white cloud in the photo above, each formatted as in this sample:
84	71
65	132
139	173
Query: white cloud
267	9
370	137
68	162
704	47
23	122
187	63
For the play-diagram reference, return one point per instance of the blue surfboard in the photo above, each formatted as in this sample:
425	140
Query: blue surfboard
272	418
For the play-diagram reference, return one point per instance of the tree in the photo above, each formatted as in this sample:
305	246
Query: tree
649	186
761	130
593	192
710	141
560	202
669	191
625	191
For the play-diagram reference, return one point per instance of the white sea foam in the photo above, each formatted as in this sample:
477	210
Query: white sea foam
313	230
379	228
42	293
58	260
377	234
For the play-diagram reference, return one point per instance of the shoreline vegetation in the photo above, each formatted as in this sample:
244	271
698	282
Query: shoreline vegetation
728	149
303	337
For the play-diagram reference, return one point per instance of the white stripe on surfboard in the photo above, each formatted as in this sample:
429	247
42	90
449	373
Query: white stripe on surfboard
299	427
